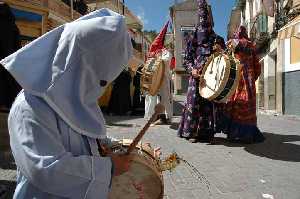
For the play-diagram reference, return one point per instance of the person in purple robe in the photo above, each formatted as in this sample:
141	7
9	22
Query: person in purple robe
198	121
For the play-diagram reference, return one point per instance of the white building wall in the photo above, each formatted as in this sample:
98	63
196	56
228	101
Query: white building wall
291	83
288	67
269	82
257	7
248	16
185	16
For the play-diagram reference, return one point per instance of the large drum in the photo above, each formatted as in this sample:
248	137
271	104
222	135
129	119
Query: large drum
152	75
219	78
143	180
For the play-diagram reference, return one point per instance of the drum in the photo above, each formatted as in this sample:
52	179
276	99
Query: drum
144	178
152	75
219	78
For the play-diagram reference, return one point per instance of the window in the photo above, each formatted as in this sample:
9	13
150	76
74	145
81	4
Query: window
263	23
295	46
187	33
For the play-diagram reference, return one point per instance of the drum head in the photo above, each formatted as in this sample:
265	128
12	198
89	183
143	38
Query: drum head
215	75
139	182
144	178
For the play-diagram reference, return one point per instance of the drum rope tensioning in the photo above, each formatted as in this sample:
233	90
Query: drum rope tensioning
152	75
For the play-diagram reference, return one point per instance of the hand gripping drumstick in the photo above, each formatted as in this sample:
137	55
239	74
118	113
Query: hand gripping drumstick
159	108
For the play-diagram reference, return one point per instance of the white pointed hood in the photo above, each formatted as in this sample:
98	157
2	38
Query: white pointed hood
65	67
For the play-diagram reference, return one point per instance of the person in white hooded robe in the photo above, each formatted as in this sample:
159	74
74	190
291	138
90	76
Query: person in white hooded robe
165	92
164	96
55	121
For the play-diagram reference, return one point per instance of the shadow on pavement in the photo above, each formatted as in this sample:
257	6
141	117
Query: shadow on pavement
122	125
276	147
113	120
174	125
8	165
7	161
177	107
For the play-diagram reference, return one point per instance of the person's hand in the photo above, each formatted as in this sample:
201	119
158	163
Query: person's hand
121	163
231	44
217	48
195	73
202	82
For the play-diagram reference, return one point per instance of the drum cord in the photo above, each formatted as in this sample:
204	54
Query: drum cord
173	160
201	177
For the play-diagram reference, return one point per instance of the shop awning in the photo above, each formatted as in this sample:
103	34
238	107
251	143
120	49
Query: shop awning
292	29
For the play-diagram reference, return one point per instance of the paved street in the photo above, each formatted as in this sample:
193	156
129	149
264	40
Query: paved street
233	171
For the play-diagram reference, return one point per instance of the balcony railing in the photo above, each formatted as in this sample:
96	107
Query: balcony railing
80	6
259	30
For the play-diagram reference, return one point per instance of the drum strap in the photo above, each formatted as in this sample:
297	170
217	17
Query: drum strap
100	148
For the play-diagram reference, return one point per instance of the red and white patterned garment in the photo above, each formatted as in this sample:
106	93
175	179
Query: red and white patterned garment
240	110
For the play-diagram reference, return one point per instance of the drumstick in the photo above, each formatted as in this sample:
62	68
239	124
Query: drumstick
159	108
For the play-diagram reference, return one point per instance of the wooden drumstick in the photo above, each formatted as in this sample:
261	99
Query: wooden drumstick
159	108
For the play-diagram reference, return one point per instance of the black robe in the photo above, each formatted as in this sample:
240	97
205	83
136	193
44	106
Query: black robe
9	43
138	101
120	101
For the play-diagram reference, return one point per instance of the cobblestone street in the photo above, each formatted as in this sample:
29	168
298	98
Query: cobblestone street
233	171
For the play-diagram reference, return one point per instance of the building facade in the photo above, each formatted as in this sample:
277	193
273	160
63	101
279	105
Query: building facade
264	20
288	66
184	20
36	17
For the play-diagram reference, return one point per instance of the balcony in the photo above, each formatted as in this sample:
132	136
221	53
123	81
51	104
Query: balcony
61	9
79	6
259	30
240	3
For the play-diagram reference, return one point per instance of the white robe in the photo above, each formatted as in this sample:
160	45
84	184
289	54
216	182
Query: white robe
165	95
53	160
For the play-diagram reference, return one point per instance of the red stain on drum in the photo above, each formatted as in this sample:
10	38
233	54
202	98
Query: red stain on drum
140	189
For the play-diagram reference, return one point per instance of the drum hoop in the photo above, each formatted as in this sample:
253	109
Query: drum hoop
226	74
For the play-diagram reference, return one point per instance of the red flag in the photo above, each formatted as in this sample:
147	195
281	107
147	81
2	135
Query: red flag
158	43
172	63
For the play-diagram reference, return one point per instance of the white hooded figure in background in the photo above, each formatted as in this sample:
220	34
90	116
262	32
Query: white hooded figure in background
165	92
164	96
55	120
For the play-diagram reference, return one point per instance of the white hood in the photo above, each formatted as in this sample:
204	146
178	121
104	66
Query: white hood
65	67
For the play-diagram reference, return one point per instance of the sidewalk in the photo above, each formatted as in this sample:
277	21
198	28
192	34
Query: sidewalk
233	171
